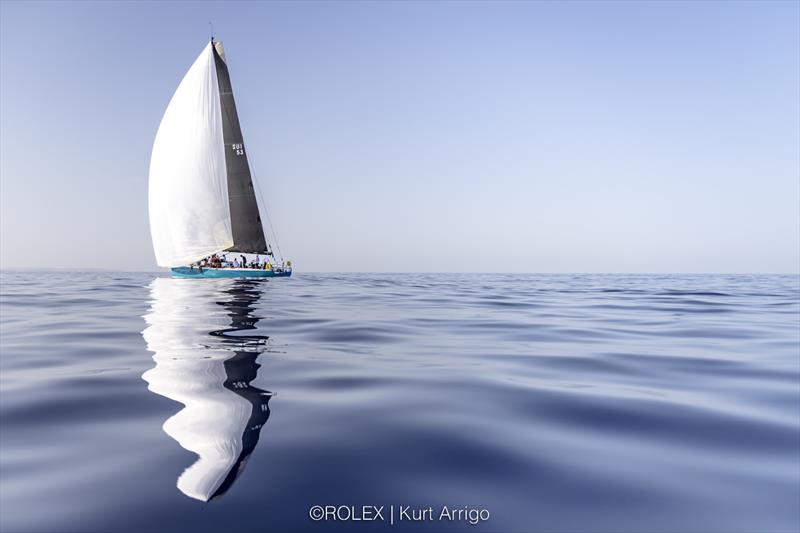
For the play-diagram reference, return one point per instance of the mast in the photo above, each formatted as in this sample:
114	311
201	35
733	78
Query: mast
248	232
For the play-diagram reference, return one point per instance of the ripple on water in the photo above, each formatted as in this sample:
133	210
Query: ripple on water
558	402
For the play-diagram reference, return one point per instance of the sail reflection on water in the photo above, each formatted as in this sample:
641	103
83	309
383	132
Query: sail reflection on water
203	363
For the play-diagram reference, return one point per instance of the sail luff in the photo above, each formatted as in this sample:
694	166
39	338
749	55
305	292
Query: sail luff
246	227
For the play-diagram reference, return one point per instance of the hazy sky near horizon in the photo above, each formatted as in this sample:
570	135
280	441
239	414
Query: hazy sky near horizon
422	136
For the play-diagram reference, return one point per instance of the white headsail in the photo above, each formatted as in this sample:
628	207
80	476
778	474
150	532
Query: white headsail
188	195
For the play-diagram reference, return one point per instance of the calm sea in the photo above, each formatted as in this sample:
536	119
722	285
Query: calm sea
135	402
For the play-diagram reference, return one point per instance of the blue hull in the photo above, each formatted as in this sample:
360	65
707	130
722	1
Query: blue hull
186	272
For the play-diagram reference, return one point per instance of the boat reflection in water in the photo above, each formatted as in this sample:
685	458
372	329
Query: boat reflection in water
204	364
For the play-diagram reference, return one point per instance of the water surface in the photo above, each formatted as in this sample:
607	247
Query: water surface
136	402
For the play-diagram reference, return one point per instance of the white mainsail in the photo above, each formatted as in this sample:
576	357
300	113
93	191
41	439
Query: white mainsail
188	194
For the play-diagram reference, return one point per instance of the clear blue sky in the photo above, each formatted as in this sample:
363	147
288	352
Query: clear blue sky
441	136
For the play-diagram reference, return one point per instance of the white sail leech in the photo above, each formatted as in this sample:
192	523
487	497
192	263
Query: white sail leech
188	190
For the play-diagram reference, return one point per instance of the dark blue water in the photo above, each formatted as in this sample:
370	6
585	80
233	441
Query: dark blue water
132	402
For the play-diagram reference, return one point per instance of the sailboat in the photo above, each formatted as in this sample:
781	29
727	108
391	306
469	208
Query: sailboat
202	202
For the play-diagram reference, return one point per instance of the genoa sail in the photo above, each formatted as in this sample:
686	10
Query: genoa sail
188	191
248	233
201	195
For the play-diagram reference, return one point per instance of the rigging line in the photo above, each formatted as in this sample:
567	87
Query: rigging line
266	211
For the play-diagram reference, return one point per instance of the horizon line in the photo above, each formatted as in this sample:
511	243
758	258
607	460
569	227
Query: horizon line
166	270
